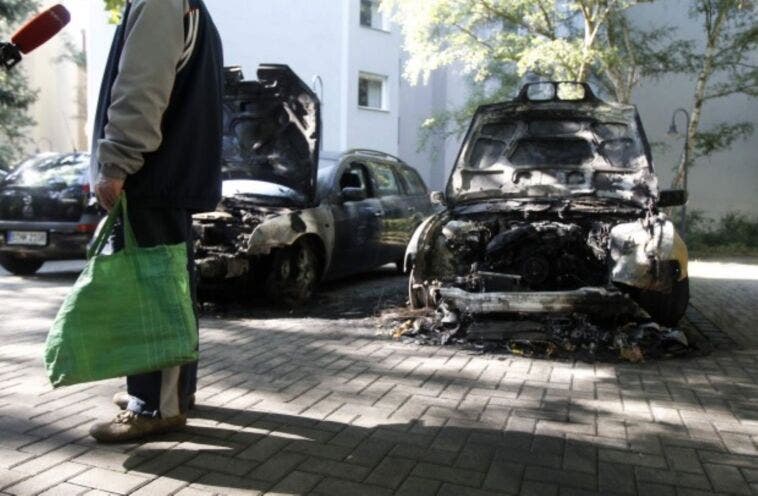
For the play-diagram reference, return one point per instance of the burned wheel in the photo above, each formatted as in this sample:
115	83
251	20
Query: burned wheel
294	274
667	309
20	266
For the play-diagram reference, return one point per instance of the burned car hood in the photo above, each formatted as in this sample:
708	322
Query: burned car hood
554	150
272	131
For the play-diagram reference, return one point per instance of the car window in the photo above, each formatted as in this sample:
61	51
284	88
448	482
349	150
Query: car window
413	183
354	177
57	172
385	180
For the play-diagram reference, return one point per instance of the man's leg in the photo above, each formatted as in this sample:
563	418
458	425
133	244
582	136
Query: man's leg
164	393
161	398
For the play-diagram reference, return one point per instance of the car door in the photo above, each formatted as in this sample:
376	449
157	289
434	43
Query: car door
419	206
357	222
389	189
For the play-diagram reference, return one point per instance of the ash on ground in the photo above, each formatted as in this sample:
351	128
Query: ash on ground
571	336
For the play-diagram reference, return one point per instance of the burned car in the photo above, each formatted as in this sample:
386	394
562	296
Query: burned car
291	215
552	210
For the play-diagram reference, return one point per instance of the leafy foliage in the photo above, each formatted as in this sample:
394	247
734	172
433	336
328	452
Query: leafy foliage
734	233
114	8
15	95
498	43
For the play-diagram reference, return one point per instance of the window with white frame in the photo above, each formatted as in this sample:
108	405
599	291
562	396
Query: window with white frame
370	15
372	91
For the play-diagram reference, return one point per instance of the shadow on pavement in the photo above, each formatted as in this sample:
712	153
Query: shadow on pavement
355	297
517	449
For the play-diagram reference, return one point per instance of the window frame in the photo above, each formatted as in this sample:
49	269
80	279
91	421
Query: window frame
362	167
381	26
384	81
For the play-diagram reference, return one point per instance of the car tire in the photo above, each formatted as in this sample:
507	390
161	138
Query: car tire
20	266
294	274
417	298
667	309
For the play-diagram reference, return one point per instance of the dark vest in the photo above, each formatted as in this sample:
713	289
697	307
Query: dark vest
185	171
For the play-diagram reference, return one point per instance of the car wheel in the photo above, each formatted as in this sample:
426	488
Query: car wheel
417	297
667	309
20	266
294	274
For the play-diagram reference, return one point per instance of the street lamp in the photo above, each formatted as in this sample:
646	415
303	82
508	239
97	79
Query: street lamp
673	131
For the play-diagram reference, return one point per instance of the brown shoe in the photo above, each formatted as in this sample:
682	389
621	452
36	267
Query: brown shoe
128	426
121	400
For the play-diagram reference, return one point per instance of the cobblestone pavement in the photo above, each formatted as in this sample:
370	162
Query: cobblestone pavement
291	404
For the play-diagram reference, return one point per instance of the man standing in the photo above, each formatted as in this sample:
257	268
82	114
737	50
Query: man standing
157	137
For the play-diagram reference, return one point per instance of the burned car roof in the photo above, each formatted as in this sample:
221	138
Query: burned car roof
554	149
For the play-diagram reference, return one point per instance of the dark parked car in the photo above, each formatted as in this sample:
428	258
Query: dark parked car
291	215
46	212
553	209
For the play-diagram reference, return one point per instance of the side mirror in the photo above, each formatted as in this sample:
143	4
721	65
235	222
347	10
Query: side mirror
353	194
672	198
438	198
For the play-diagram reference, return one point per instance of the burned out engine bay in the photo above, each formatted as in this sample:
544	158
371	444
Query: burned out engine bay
501	254
222	237
533	254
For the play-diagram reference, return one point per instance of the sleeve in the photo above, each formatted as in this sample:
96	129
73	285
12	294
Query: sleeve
153	47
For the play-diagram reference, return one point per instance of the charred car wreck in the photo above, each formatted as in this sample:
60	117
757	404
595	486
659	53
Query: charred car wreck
553	231
291	215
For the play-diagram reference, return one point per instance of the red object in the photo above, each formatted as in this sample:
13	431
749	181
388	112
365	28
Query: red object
41	28
86	228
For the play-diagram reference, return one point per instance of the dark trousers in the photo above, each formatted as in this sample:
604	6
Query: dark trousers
163	392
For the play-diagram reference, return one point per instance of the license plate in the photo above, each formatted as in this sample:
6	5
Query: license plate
27	238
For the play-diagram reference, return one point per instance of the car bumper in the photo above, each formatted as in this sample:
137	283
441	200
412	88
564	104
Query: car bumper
222	267
65	240
592	301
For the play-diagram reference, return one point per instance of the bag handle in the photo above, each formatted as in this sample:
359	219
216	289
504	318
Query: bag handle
130	242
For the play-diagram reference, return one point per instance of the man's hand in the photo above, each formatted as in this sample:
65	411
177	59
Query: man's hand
108	190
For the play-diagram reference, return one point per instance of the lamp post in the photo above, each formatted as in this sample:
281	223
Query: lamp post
673	131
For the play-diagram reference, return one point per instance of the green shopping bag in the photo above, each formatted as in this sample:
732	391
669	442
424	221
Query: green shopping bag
128	313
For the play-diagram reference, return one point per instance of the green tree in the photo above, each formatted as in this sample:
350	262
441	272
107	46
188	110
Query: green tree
499	42
114	8
725	65
15	95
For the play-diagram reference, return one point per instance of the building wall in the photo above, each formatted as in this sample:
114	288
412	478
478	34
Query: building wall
60	124
376	52
727	181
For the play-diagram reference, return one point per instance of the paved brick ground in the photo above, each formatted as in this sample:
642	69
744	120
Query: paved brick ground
326	406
